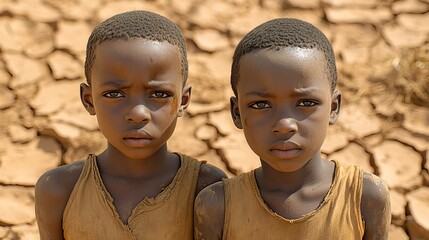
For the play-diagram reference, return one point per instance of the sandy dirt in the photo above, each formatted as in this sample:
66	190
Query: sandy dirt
382	50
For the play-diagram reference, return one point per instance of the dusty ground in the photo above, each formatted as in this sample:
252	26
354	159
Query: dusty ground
383	59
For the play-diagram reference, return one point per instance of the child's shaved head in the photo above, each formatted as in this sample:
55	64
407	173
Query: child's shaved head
280	33
136	24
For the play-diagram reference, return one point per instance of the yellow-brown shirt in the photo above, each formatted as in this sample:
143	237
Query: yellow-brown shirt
90	213
337	217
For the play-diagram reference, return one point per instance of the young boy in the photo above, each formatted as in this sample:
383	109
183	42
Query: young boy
136	70
284	77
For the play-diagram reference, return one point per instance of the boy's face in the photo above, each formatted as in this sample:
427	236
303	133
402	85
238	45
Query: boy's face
284	105
137	93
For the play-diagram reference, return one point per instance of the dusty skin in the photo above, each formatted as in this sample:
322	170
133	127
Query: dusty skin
381	51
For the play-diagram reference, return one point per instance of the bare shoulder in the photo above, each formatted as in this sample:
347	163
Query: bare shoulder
209	174
52	192
59	180
210	212
375	207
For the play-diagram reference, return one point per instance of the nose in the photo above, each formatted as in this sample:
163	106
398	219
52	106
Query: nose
285	126
139	113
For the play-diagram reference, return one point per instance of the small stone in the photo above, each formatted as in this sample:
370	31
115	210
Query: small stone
355	155
358	122
64	65
212	158
24	164
356	15
64	93
16	205
417	120
418	222
335	139
401	37
7	98
25	71
210	40
196	108
238	154
409	6
414	22
72	36
397	205
20	134
206	133
397	233
223	122
360	3
389	157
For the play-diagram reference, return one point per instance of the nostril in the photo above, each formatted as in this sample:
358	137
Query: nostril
139	113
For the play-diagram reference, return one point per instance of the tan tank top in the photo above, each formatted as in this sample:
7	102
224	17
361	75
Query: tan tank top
90	213
337	217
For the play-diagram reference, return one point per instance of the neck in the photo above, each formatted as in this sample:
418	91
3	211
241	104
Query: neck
113	162
270	179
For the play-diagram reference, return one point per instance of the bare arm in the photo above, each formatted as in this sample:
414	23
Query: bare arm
209	213
375	207
209	174
52	192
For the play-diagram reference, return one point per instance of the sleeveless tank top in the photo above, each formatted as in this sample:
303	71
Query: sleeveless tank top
90	213
337	217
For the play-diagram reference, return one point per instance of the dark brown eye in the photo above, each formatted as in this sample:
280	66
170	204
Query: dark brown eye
113	94
160	94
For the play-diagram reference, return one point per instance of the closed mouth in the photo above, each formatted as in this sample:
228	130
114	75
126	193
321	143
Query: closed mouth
137	138
285	150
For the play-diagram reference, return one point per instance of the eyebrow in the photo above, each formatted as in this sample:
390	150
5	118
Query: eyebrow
307	91
115	83
296	92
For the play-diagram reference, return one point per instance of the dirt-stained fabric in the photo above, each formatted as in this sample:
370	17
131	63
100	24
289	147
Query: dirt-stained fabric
337	217
90	213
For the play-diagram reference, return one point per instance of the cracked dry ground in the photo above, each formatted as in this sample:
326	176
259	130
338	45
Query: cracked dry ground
383	60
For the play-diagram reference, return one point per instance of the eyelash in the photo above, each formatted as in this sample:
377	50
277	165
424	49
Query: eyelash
156	94
264	105
115	92
164	94
312	103
255	105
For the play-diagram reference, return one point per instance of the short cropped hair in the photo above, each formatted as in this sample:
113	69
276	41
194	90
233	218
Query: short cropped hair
132	25
280	33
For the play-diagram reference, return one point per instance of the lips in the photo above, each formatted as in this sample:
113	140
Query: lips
137	138
285	150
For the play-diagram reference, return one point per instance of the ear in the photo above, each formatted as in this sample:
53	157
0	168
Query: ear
186	99
235	112
335	107
86	98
